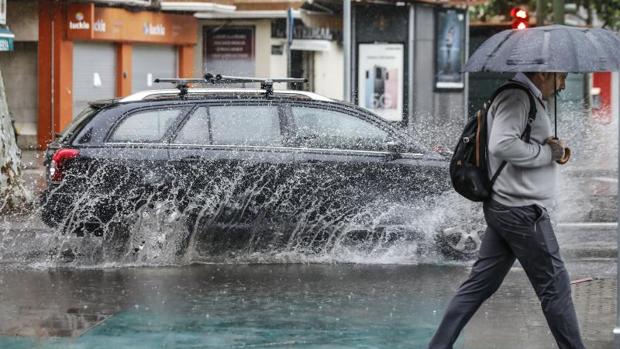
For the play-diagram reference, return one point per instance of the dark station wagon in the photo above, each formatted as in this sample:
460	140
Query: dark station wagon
247	169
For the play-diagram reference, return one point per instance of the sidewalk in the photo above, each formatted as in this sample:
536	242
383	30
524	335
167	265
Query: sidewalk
588	240
33	170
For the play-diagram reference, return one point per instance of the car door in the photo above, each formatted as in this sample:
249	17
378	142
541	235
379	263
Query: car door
124	165
229	162
351	172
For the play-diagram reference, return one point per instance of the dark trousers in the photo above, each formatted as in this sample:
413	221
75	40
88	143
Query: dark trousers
524	233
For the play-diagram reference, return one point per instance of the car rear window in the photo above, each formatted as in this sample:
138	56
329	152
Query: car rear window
77	123
145	126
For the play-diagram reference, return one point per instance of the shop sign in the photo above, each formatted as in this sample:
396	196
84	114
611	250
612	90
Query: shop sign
6	39
157	29
302	32
99	26
380	79
87	22
229	50
79	21
2	12
230	43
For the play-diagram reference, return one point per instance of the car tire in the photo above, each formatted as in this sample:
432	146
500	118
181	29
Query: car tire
460	242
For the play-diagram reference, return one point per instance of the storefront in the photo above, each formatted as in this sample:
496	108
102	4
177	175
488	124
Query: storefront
253	43
89	52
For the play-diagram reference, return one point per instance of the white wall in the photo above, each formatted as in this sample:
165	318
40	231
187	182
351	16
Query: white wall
278	65
23	19
328	69
329	72
262	41
263	48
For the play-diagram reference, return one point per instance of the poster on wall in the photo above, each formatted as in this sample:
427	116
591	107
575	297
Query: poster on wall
229	50
3	12
380	79
449	49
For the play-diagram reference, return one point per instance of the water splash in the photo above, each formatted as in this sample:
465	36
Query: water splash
229	221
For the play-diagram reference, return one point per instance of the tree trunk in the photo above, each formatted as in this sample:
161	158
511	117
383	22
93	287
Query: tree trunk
13	194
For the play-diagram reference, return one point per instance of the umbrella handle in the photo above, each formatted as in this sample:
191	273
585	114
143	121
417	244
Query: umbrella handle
566	156
555	104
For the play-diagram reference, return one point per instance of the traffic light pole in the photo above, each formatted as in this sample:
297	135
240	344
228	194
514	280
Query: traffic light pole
540	13
558	11
346	42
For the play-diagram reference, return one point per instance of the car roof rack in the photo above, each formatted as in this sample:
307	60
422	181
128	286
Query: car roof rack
265	84
182	84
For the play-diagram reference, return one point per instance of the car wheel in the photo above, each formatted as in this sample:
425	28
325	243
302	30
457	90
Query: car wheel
460	242
49	217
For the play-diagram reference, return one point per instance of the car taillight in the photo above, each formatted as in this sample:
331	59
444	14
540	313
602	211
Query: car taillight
57	166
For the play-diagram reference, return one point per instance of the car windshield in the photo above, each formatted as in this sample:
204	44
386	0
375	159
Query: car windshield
410	143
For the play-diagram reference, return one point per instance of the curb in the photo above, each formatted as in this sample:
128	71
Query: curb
583	240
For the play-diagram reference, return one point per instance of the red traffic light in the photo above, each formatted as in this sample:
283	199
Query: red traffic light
520	18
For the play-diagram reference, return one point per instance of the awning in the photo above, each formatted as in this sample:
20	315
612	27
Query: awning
6	39
310	45
260	14
194	6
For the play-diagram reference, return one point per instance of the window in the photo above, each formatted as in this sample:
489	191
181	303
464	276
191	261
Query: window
245	125
145	126
196	129
319	128
76	124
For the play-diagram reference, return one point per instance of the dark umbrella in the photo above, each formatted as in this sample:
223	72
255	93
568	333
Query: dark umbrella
554	48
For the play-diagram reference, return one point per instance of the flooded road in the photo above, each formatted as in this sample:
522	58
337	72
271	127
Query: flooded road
280	306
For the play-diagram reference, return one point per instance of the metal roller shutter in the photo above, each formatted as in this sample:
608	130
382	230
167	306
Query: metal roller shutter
150	62
94	73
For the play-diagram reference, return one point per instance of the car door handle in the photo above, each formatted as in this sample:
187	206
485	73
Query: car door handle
311	162
191	158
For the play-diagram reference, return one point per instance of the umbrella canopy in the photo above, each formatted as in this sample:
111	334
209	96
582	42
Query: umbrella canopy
553	48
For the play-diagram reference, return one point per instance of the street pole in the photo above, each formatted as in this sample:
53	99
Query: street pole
466	74
346	42
411	67
289	40
540	13
615	88
558	11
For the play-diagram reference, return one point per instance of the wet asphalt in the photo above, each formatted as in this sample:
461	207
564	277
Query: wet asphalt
283	306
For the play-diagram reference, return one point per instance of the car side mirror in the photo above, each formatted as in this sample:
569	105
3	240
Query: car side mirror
395	147
443	151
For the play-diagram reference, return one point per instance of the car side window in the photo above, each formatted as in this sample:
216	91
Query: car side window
251	125
330	129
196	129
145	126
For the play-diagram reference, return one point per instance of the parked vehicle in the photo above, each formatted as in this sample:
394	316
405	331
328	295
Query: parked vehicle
249	169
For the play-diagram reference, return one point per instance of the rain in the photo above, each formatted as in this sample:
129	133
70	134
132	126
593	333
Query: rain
237	174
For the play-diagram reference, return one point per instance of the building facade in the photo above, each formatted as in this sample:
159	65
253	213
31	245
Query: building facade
89	52
407	55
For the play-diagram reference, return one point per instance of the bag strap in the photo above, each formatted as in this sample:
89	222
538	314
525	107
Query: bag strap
531	117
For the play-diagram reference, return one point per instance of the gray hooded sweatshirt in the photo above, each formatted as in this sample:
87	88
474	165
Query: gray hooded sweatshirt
530	175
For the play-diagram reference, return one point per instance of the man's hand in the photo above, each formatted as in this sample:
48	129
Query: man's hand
559	152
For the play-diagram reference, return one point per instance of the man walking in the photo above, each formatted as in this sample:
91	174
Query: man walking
518	223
